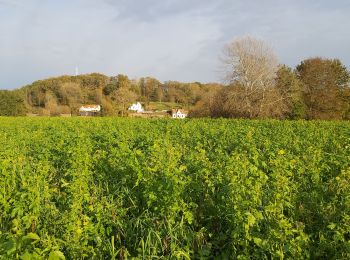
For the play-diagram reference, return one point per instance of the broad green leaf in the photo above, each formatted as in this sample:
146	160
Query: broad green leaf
32	236
56	255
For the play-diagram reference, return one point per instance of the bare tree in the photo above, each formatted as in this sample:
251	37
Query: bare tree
123	98
251	64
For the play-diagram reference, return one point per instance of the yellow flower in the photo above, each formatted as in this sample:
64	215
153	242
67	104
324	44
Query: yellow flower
337	178
281	152
79	231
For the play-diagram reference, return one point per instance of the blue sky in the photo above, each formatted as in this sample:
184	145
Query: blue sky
168	39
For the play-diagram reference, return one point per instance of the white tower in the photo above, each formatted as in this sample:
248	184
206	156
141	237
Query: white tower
76	71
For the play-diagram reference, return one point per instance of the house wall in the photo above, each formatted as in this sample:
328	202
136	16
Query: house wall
178	115
89	113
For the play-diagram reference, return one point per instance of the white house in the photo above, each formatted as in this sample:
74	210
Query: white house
179	113
89	110
137	107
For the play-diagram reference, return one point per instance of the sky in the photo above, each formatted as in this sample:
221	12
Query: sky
167	39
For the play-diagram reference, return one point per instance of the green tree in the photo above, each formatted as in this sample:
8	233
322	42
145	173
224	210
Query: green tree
72	96
123	81
51	103
149	89
107	107
290	89
325	82
11	103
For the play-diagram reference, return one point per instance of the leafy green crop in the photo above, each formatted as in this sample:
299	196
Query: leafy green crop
107	188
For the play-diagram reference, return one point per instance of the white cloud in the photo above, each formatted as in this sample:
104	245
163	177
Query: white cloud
171	40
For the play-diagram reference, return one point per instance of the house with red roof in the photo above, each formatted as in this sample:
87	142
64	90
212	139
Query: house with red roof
179	113
90	110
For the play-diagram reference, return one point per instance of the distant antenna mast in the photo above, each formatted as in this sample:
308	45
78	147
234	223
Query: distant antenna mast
76	71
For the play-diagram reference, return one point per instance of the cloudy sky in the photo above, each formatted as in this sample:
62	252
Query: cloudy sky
168	39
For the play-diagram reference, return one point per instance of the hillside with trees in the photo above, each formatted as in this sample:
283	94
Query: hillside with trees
65	94
256	85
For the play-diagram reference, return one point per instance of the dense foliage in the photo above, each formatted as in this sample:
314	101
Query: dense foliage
326	88
105	188
11	103
65	94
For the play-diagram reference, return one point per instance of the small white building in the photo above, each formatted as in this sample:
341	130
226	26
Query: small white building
137	107
179	113
90	110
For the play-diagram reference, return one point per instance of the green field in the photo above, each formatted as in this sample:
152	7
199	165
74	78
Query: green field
109	188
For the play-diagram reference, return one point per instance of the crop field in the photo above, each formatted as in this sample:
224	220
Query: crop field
109	188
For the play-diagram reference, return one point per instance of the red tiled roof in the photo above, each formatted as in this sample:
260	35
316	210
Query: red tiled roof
182	111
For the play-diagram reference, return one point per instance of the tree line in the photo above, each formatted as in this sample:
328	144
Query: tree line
65	94
255	85
259	87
